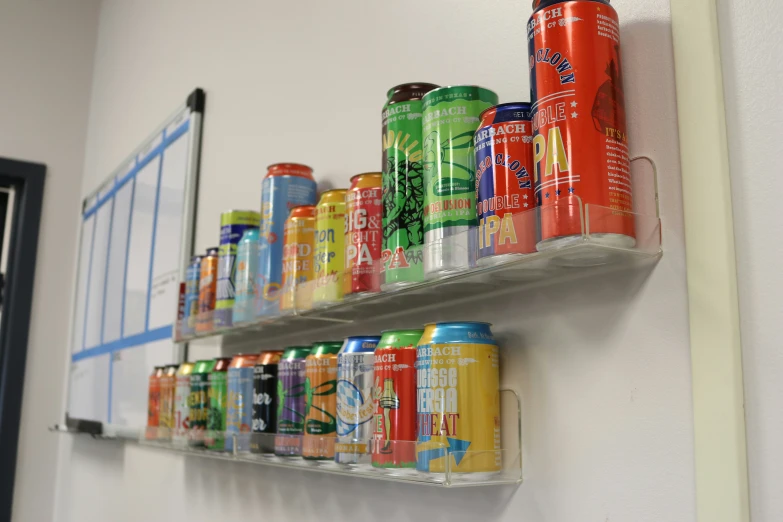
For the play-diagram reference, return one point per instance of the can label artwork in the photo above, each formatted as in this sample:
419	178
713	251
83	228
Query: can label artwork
580	144
264	404
504	184
246	272
216	417
279	194
363	242
403	193
329	258
321	407
207	293
298	251
153	402
355	406
198	403
239	407
291	396
168	388
451	117
233	226
458	402
182	408
395	408
192	276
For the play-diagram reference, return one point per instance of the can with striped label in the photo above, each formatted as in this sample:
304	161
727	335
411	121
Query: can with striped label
192	276
291	401
233	225
207	291
458	399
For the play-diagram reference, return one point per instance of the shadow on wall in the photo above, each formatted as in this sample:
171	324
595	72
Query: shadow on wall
282	494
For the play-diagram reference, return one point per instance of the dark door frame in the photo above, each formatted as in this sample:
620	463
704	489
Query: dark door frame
27	180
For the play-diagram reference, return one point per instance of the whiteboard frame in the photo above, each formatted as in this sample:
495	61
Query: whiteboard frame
194	108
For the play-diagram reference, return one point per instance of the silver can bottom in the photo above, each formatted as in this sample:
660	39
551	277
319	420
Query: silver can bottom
449	250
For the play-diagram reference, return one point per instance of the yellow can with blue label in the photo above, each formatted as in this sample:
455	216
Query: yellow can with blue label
458	399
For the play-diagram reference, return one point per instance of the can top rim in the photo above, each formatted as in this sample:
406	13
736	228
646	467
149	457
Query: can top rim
361	337
403	330
289	164
223	358
374	173
330	191
524	106
211	248
478	87
239	210
411	86
446	323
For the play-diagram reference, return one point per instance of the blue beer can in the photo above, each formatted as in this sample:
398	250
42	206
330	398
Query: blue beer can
192	276
355	406
239	401
285	186
246	272
233	225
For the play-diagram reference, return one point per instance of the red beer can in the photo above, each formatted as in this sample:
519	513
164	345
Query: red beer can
363	238
394	437
580	145
505	201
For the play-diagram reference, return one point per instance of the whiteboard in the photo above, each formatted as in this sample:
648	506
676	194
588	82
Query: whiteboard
135	241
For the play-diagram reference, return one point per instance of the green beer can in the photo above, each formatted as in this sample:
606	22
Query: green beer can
218	398
450	118
403	186
198	401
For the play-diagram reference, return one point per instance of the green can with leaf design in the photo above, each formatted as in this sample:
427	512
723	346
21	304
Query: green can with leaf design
449	120
403	186
321	401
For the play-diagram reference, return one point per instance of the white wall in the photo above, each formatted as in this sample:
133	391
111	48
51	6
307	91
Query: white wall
603	365
751	42
46	55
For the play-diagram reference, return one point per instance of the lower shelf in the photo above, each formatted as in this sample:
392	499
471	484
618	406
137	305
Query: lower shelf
451	466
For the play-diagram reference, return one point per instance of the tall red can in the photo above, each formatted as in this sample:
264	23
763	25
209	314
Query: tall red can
394	436
580	145
363	237
505	201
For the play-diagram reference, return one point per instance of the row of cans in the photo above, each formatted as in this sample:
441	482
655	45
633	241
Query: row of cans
465	181
412	399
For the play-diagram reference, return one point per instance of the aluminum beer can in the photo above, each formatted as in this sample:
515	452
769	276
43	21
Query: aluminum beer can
321	401
239	401
298	251
363	223
168	389
285	186
580	143
233	225
394	437
458	398
355	408
182	403
504	183
218	401
451	117
245	279
264	418
291	395
207	290
192	277
199	401
153	402
403	186
329	264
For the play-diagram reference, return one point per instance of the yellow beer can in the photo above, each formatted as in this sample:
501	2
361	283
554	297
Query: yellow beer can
329	259
458	399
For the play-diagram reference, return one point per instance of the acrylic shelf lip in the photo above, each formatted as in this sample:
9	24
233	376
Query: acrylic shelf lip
509	471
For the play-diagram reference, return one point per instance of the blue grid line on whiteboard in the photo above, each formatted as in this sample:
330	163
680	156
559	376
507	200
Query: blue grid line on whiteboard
154	233
147	335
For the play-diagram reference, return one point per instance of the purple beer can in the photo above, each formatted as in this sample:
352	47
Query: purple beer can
291	401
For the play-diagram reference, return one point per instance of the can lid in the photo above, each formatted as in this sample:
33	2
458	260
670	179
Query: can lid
302	211
250	234
326	347
357	176
289	169
541	4
334	191
212	251
409	91
240	217
513	111
195	258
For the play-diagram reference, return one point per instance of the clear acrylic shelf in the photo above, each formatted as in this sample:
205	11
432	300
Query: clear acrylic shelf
358	458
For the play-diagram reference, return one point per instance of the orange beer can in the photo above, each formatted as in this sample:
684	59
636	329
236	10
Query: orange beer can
168	389
153	402
580	143
298	249
321	395
207	290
